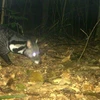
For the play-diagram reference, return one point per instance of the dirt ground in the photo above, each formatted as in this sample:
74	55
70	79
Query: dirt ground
59	76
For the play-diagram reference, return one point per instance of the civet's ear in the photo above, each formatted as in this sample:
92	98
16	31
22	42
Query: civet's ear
36	41
29	44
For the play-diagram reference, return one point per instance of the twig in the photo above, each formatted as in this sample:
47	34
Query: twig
88	38
84	33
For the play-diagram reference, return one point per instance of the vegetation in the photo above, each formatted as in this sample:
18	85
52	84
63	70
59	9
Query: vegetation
68	32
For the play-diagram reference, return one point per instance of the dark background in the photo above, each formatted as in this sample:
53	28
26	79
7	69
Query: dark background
44	17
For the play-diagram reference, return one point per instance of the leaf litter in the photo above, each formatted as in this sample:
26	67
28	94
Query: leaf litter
59	77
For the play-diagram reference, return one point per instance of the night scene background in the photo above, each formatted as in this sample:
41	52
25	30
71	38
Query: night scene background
68	33
65	17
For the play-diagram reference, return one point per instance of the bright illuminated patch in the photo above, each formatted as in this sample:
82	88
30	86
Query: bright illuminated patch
36	62
34	54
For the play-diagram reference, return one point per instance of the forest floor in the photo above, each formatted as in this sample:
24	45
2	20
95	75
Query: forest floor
60	76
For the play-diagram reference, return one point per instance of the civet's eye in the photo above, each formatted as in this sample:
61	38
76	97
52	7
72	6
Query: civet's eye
34	54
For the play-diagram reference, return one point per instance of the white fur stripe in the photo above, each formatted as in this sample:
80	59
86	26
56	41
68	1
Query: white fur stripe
16	46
